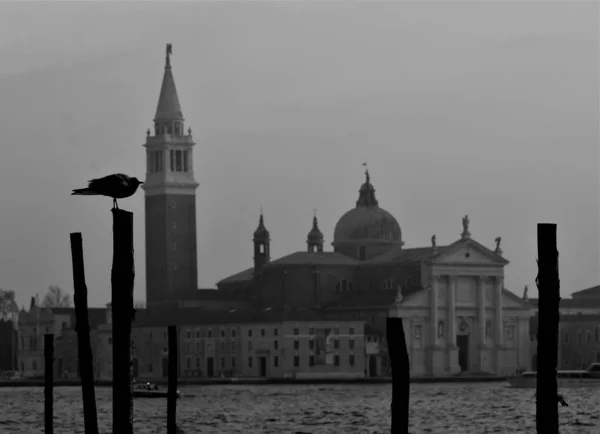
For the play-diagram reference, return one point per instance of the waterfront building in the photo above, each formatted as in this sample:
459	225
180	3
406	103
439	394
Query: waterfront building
579	329
261	343
59	321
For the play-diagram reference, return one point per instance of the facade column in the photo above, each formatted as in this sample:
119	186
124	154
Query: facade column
499	284
451	319
481	309
433	313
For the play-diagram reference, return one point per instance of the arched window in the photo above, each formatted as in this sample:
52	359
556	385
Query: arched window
344	286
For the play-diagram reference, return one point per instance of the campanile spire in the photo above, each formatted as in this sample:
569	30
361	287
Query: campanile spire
170	195
168	108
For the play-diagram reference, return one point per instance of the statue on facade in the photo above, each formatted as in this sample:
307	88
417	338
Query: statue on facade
488	329
433	241
440	332
525	293
465	223
498	240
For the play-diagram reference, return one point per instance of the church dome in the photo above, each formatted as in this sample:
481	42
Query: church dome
367	222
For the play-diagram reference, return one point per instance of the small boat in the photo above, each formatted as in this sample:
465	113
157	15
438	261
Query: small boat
150	391
565	379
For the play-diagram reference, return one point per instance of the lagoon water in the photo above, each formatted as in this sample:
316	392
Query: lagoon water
435	408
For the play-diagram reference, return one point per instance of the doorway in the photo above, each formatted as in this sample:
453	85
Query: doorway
372	366
462	342
263	366
210	367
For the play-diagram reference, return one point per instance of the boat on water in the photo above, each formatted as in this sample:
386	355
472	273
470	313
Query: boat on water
150	391
565	379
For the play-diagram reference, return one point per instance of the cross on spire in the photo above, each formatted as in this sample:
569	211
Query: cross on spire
168	56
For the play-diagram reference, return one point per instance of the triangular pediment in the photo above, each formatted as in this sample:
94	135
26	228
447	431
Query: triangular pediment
467	252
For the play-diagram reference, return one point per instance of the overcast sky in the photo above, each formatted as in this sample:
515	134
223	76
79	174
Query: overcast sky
482	108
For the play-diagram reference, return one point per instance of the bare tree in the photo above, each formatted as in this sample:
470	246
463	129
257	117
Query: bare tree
56	297
8	306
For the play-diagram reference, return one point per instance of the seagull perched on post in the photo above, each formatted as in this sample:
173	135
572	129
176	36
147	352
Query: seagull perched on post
117	186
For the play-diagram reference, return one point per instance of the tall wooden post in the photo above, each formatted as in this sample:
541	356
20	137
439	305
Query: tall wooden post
122	278
84	347
48	383
400	375
172	387
548	284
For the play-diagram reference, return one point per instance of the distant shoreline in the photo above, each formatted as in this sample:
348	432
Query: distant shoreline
266	381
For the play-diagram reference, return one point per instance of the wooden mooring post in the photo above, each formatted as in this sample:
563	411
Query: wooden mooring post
548	284
172	387
49	383
122	279
400	375
84	347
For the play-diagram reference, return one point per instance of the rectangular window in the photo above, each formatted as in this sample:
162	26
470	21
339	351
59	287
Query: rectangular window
250	345
336	344
150	368
222	333
222	346
209	333
296	361
336	360
351	359
311	344
275	332
351	331
185	161
178	162
296	331
197	362
296	344
249	333
275	361
250	361
262	332
222	362
160	161
311	360
188	363
351	344
172	160
276	345
233	362
233	333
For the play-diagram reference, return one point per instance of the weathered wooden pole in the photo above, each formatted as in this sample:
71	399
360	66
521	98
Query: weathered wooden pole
548	284
122	278
84	346
48	383
400	375
172	387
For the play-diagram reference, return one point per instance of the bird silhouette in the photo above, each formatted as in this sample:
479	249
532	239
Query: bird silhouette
117	186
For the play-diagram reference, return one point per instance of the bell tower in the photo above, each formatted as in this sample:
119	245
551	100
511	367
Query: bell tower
262	242
170	199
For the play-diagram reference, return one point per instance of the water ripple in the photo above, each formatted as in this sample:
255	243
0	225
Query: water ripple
365	409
